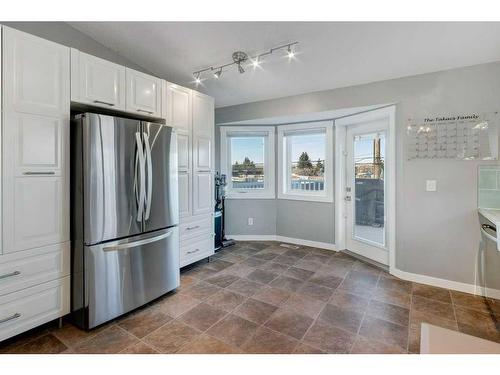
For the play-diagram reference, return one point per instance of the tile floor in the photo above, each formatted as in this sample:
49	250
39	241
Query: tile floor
259	297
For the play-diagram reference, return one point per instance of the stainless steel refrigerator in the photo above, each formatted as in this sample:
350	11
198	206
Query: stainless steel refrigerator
125	215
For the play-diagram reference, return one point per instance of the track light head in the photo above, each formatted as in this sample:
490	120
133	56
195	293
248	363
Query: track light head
256	62
197	78
240	69
218	73
290	52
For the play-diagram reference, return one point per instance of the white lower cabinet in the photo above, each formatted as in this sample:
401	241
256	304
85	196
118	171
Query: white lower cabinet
196	248
28	308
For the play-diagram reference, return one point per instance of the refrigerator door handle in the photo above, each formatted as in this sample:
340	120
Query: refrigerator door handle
142	178
150	176
128	245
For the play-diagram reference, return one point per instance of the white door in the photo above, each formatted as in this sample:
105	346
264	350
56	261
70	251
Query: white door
35	142
185	191
202	153
143	93
203	199
179	109
365	190
96	81
183	151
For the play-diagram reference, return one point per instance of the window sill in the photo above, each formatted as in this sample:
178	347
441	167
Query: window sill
250	196
306	198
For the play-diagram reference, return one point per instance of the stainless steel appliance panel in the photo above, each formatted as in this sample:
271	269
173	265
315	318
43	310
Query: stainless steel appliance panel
161	201
489	262
112	170
123	275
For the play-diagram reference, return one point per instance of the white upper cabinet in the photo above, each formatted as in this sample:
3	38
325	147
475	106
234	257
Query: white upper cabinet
36	74
203	115
178	107
143	93
96	81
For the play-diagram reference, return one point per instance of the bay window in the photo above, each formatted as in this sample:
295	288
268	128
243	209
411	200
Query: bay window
305	161
247	159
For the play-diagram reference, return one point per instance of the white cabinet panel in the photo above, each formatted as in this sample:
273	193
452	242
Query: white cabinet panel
184	194
203	200
203	115
34	306
203	153
36	74
183	151
40	214
24	269
196	249
196	226
143	93
39	142
97	82
178	102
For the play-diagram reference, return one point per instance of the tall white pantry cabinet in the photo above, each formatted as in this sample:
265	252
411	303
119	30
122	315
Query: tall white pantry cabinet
34	247
40	79
192	115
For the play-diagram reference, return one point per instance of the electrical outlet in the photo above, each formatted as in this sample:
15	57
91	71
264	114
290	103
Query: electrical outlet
250	221
431	185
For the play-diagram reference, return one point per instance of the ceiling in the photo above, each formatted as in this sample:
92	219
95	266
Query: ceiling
330	54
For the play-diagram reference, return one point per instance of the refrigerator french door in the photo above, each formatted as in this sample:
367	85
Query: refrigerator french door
125	241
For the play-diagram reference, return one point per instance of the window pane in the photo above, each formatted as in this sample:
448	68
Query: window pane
247	162
307	153
369	158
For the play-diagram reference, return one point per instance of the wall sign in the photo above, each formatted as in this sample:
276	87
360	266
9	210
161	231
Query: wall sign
470	136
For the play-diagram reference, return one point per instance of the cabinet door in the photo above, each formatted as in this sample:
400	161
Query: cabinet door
202	148
36	74
178	102
100	82
203	115
203	199
185	192
143	93
183	151
35	178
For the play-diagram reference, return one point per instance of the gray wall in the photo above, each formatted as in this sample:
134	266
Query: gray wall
437	233
62	33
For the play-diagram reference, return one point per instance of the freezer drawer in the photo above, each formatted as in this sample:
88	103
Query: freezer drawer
123	275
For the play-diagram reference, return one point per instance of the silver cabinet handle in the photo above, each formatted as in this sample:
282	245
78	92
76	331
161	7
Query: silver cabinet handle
191	228
39	173
194	251
15	273
204	170
106	103
142	110
15	316
128	245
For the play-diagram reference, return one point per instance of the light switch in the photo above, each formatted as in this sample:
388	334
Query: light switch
431	185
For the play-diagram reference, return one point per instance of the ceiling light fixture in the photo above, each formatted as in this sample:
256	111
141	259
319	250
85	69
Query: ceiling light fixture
218	73
240	57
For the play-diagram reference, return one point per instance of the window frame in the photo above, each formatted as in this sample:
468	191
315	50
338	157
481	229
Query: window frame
284	165
269	190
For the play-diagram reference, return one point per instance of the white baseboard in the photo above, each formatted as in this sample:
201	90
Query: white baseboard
448	284
270	237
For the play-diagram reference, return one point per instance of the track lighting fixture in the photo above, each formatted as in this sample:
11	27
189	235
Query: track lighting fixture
240	57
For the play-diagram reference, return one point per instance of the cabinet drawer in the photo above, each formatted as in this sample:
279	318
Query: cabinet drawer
197	248
33	306
196	226
31	267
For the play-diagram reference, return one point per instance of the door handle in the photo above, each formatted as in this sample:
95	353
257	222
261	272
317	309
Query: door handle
194	251
148	112
106	103
142	178
128	245
150	176
15	273
15	316
191	228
